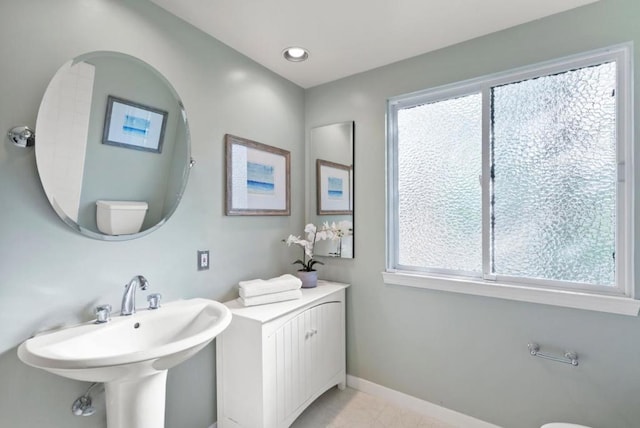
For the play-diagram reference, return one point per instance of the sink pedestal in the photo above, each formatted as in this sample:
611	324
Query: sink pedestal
136	402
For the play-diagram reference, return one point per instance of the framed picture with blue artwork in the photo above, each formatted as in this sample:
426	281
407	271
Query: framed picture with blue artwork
333	188
134	126
258	178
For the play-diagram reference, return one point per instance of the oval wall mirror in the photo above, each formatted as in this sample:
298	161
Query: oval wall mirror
330	182
113	147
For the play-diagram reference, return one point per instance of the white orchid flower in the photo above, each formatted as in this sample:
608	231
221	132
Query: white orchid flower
344	228
313	235
308	246
337	233
322	235
295	240
308	249
328	232
310	230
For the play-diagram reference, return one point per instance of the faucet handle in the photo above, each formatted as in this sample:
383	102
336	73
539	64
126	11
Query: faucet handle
154	300
103	314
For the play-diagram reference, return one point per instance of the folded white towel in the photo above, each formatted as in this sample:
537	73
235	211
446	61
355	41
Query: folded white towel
282	278
270	298
259	287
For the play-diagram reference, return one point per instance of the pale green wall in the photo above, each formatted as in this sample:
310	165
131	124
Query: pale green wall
50	276
464	352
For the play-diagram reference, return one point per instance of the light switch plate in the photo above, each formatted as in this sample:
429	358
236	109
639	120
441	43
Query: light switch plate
203	259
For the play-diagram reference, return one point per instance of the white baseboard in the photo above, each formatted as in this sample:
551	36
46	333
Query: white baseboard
215	425
417	405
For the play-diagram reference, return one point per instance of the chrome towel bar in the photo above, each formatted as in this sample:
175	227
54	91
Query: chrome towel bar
569	357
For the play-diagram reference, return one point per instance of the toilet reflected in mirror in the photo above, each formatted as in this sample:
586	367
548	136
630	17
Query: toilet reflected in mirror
78	165
120	217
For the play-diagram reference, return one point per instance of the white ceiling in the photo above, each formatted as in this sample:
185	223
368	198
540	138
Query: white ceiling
346	37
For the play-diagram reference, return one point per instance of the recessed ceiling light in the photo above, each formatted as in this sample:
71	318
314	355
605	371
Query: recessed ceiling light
295	54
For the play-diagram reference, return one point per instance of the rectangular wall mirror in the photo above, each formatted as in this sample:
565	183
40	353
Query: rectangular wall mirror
330	185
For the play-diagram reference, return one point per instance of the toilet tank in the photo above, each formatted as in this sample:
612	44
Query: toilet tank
120	217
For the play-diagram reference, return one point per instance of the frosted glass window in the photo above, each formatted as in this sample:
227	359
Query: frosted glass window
554	181
439	194
519	178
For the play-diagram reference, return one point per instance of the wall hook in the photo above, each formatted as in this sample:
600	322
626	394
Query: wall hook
22	136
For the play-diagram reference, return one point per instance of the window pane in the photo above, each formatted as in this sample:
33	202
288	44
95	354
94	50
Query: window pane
439	164
554	192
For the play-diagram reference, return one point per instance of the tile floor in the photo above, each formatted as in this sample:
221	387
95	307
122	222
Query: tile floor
355	409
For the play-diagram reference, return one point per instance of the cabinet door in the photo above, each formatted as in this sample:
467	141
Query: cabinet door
291	359
309	352
326	344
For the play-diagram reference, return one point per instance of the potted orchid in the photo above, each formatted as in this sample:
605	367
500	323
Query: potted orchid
307	274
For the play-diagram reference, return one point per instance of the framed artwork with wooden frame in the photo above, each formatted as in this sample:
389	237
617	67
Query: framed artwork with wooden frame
258	178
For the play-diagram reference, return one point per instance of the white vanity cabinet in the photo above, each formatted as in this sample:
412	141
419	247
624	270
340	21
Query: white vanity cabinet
274	360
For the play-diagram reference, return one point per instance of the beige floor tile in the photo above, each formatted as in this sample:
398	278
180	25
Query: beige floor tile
395	417
428	422
355	409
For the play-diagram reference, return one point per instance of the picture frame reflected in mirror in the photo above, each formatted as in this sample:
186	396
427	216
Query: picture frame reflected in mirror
134	126
334	189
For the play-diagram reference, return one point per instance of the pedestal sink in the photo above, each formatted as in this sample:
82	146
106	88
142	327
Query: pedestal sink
130	354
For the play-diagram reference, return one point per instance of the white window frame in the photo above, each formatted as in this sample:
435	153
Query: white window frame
619	299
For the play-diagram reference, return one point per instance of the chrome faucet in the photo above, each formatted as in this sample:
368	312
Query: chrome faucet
129	297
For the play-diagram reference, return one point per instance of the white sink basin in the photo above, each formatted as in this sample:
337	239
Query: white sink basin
129	352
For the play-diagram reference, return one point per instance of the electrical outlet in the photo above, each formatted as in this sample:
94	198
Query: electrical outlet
203	259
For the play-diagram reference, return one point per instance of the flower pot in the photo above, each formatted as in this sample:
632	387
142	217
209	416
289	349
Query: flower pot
309	278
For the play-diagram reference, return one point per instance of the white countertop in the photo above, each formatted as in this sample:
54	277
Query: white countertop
267	312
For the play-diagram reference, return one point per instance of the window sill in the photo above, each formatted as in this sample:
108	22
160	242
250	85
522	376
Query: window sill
563	298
